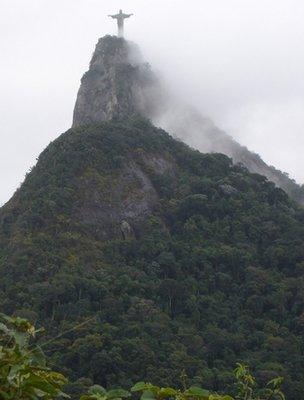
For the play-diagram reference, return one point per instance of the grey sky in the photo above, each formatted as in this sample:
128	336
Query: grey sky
240	62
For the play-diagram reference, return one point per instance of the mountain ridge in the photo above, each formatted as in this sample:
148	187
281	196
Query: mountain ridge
119	84
208	272
201	133
181	261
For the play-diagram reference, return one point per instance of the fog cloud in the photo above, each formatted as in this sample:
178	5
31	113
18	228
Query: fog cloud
239	62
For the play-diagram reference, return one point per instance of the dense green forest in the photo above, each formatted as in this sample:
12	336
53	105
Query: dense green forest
25	375
210	273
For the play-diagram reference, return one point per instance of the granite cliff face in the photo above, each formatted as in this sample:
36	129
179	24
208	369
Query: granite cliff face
117	85
103	177
120	85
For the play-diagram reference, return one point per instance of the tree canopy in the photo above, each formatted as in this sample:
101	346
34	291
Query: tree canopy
210	275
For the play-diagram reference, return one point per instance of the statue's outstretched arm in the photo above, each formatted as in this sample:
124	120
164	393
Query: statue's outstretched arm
112	16
128	15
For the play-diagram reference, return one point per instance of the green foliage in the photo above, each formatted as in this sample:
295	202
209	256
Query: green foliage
23	373
212	275
153	392
97	392
245	390
246	382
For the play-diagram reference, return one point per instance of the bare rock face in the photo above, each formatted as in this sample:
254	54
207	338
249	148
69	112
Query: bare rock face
120	85
122	200
126	230
117	85
228	190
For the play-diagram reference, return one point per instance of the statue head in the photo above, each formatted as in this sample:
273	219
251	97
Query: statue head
120	11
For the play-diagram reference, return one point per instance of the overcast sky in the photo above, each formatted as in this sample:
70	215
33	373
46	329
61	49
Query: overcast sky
241	62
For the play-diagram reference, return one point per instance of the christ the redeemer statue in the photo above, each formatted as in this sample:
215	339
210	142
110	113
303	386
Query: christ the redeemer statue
120	21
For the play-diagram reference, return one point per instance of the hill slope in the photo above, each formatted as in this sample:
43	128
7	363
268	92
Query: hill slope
182	261
201	133
119	84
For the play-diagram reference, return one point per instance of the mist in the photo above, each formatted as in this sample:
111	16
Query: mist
239	63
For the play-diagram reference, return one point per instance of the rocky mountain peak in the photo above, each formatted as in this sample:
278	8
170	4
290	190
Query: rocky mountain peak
118	84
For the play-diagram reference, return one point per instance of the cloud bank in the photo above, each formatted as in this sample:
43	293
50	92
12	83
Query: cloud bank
241	63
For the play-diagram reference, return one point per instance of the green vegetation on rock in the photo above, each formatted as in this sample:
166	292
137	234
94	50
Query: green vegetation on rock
209	272
23	371
25	376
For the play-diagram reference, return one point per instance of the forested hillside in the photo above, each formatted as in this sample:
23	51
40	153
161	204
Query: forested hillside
173	261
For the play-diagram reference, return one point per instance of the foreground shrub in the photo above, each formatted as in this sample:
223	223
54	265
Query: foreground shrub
25	376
